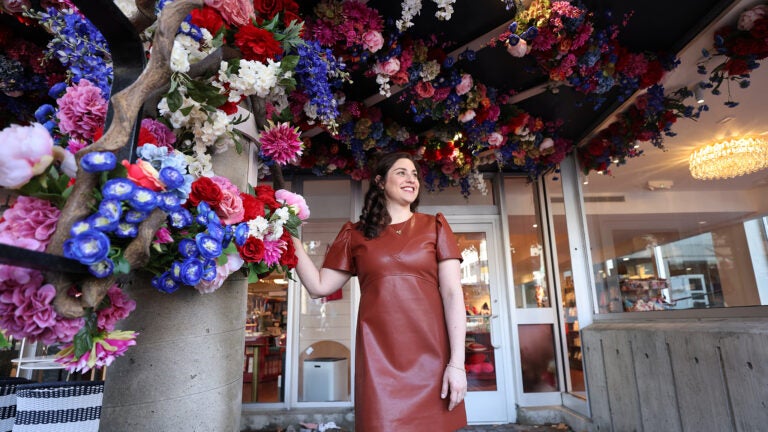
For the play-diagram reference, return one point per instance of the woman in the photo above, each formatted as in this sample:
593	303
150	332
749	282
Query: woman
411	323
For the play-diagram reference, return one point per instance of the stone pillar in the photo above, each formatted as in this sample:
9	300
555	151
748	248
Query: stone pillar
186	372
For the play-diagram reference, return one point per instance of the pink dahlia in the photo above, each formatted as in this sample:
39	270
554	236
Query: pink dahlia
82	110
120	306
273	250
161	132
29	219
281	143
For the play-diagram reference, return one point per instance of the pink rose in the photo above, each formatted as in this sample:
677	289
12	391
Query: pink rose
389	67
82	110
495	139
519	50
424	89
465	85
225	184
16	6
163	236
748	17
230	208
296	203
30	154
373	41
466	116
234	12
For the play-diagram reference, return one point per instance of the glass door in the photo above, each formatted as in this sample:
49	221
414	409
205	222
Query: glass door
487	398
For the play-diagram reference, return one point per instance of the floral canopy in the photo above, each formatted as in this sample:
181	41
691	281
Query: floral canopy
331	84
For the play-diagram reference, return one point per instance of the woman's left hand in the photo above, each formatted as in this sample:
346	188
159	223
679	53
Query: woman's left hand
455	382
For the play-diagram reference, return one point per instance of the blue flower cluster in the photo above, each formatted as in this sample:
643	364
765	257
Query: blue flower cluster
124	205
318	72
79	46
199	252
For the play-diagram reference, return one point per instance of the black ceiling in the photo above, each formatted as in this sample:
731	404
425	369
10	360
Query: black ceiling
653	26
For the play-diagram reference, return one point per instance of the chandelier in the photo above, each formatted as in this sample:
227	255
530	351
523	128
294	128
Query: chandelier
729	158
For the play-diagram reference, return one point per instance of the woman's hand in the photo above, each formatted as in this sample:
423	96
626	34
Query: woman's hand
455	382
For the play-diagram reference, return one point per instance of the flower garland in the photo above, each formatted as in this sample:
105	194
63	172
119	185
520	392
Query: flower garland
739	47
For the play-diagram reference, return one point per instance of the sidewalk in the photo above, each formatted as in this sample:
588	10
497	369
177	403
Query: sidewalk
562	427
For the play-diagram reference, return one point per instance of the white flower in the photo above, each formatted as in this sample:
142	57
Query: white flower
430	70
310	110
179	57
411	8
282	215
476	181
444	9
257	227
200	165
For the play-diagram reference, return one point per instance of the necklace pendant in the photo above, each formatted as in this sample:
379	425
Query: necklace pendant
398	232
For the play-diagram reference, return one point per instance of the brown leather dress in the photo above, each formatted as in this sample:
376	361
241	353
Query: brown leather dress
402	341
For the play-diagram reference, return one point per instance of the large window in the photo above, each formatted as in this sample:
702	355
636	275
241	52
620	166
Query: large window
675	245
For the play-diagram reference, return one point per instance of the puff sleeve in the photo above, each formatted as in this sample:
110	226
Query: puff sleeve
339	255
446	245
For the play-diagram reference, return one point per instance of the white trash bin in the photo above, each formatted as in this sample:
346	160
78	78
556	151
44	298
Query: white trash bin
325	379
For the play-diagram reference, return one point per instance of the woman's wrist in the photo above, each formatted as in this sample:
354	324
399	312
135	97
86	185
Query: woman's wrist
451	365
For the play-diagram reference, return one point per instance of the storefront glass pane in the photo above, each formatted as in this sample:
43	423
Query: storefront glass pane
526	244
673	245
537	358
325	325
572	337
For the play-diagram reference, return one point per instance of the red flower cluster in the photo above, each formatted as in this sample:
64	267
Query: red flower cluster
257	44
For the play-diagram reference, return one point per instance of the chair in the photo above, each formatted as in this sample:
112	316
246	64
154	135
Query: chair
8	401
59	406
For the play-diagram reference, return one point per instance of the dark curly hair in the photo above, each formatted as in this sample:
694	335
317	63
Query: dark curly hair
375	217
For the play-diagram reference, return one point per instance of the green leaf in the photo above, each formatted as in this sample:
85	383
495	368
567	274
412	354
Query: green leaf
174	100
83	341
289	62
253	277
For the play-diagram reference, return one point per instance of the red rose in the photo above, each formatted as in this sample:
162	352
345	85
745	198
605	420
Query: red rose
229	107
257	44
289	16
736	67
204	189
288	258
760	29
146	137
252	250
266	195
268	8
253	207
652	75
207	18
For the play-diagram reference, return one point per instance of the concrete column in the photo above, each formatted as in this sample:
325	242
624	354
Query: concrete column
186	372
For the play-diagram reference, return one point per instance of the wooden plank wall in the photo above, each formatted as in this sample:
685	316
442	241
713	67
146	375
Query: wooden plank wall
678	375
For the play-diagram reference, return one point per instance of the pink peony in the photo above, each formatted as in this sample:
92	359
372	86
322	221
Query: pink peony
465	85
495	139
296	202
373	41
466	116
29	219
82	110
120	306
161	132
750	16
389	67
30	154
225	184
234	12
281	143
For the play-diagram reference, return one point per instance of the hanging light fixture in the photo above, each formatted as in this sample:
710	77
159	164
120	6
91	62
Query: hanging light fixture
729	158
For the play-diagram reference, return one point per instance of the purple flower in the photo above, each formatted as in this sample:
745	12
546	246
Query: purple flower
98	161
143	199
102	269
119	188
89	247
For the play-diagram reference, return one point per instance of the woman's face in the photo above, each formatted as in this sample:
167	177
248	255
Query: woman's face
401	186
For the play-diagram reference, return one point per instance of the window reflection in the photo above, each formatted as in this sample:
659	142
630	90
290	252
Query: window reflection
537	358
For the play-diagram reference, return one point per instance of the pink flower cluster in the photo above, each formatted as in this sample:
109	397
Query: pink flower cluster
120	306
281	143
82	110
29	223
106	348
350	23
26	308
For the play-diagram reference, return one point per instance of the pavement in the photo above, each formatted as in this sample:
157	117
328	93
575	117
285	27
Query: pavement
513	427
